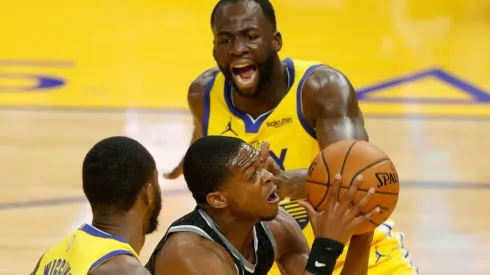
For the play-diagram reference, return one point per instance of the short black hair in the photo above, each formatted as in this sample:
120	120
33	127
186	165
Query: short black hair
205	164
265	5
114	172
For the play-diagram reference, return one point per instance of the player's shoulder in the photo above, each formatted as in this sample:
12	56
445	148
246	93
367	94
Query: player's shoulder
198	86
283	226
182	244
325	79
282	221
197	91
186	252
286	232
121	265
326	86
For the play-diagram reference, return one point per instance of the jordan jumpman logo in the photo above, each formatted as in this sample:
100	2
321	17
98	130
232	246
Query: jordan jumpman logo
229	129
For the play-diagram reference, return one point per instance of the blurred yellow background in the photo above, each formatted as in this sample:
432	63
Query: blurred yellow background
143	54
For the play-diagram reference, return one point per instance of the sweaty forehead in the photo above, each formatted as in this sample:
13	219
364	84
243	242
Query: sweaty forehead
238	16
246	157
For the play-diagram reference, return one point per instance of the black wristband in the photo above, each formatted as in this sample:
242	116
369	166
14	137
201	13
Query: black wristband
323	256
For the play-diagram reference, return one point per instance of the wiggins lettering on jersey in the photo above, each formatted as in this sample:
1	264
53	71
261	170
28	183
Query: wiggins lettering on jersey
57	267
82	251
280	122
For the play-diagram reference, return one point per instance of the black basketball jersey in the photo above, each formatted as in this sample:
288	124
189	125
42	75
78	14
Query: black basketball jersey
200	223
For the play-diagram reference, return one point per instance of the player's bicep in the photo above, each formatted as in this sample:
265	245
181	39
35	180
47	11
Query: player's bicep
293	249
121	265
203	265
338	115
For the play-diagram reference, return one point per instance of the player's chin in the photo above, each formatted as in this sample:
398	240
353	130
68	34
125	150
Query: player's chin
271	207
270	213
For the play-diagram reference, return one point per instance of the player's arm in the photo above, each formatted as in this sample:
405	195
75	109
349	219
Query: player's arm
330	107
293	253
189	254
335	114
195	102
121	265
333	109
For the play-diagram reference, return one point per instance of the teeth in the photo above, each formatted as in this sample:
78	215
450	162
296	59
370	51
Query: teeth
241	66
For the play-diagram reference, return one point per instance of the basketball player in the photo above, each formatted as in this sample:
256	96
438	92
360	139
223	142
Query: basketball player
120	181
229	233
298	106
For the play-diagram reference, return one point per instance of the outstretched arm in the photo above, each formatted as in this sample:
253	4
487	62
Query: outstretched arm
331	108
337	116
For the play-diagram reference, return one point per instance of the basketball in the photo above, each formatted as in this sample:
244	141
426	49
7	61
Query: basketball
351	158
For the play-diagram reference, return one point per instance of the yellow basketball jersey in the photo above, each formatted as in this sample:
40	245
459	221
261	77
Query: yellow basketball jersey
293	142
82	251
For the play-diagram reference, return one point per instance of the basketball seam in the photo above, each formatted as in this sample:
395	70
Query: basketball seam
345	157
365	168
344	162
318	182
371	221
347	187
379	192
328	182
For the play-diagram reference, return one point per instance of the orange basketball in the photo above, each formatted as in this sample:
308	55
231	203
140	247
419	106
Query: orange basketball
351	158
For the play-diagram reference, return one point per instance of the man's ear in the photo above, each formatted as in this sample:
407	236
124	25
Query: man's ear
277	41
217	200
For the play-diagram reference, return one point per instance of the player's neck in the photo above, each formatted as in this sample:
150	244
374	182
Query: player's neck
122	225
271	94
239	232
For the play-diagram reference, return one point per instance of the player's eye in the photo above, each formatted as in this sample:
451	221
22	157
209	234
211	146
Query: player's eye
253	175
224	41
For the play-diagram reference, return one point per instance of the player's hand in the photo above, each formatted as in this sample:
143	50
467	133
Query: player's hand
176	172
338	221
272	167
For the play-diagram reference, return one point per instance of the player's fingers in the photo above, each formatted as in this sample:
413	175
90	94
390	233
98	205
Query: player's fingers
269	164
351	194
308	207
171	175
333	192
356	209
357	221
264	150
176	172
